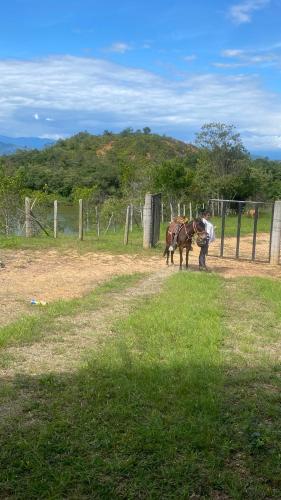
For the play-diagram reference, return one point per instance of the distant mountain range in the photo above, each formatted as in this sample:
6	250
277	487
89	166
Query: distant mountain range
11	144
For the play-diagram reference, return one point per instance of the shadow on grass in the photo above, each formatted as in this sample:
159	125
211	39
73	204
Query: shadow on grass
133	431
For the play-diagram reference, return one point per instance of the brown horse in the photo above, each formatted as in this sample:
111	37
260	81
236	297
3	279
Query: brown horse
184	239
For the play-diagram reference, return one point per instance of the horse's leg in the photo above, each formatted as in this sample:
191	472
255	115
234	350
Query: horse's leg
167	258
180	250
172	257
186	258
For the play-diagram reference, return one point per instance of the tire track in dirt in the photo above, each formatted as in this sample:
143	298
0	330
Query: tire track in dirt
73	337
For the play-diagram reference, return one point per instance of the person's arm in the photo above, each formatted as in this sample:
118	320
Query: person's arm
212	236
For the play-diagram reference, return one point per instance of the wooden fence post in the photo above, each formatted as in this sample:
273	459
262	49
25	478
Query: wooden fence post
147	221
81	232
141	214
131	217
28	225
190	210
179	209
109	222
126	233
55	218
275	234
98	221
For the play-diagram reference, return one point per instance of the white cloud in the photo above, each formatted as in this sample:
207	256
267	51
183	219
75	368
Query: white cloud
228	65
36	116
242	12
118	47
190	58
53	137
248	58
85	93
232	53
49	119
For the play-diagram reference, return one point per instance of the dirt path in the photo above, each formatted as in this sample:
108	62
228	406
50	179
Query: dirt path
73	337
51	275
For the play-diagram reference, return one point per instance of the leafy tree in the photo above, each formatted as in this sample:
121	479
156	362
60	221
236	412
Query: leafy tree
127	131
172	178
146	130
223	161
222	146
11	191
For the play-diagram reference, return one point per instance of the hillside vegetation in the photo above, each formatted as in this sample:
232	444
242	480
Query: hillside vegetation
107	161
126	165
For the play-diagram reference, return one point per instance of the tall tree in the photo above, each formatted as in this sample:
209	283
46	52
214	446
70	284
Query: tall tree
223	159
223	147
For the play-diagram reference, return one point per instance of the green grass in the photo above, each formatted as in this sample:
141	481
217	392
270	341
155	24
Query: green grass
113	242
110	242
247	224
183	400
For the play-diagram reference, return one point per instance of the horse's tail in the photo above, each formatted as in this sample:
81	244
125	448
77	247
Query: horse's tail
168	241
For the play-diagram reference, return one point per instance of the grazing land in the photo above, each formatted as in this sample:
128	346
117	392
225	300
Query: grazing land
155	385
52	270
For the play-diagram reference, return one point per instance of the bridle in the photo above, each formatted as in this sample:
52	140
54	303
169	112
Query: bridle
195	231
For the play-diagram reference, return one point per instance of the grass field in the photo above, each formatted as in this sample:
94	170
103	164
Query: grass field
247	224
181	400
113	241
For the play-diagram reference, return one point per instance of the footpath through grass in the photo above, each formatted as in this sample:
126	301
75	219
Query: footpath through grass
33	327
182	400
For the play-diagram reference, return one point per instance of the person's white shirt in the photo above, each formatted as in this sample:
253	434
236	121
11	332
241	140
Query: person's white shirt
210	229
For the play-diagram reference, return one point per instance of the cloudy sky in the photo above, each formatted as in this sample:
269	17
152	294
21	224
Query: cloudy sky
72	65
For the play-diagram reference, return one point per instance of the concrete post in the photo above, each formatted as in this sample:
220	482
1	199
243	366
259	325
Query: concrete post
276	233
147	221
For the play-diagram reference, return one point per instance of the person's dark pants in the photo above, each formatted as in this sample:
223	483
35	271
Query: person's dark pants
202	255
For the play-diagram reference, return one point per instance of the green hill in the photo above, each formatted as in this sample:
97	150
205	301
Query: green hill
107	161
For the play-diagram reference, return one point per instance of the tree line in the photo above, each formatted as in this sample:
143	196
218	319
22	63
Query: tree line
122	167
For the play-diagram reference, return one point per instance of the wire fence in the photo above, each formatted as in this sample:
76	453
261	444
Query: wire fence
100	219
244	234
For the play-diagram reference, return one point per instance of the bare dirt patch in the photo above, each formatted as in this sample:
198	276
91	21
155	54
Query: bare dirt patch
245	250
51	275
64	348
102	151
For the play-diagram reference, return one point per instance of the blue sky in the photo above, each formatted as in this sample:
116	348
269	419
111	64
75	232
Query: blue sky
68	66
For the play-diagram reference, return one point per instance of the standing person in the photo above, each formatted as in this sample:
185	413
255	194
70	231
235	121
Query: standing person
210	238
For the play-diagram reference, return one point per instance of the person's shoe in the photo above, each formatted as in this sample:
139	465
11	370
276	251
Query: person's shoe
203	268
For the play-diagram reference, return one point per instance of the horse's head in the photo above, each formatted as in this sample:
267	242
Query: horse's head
200	231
